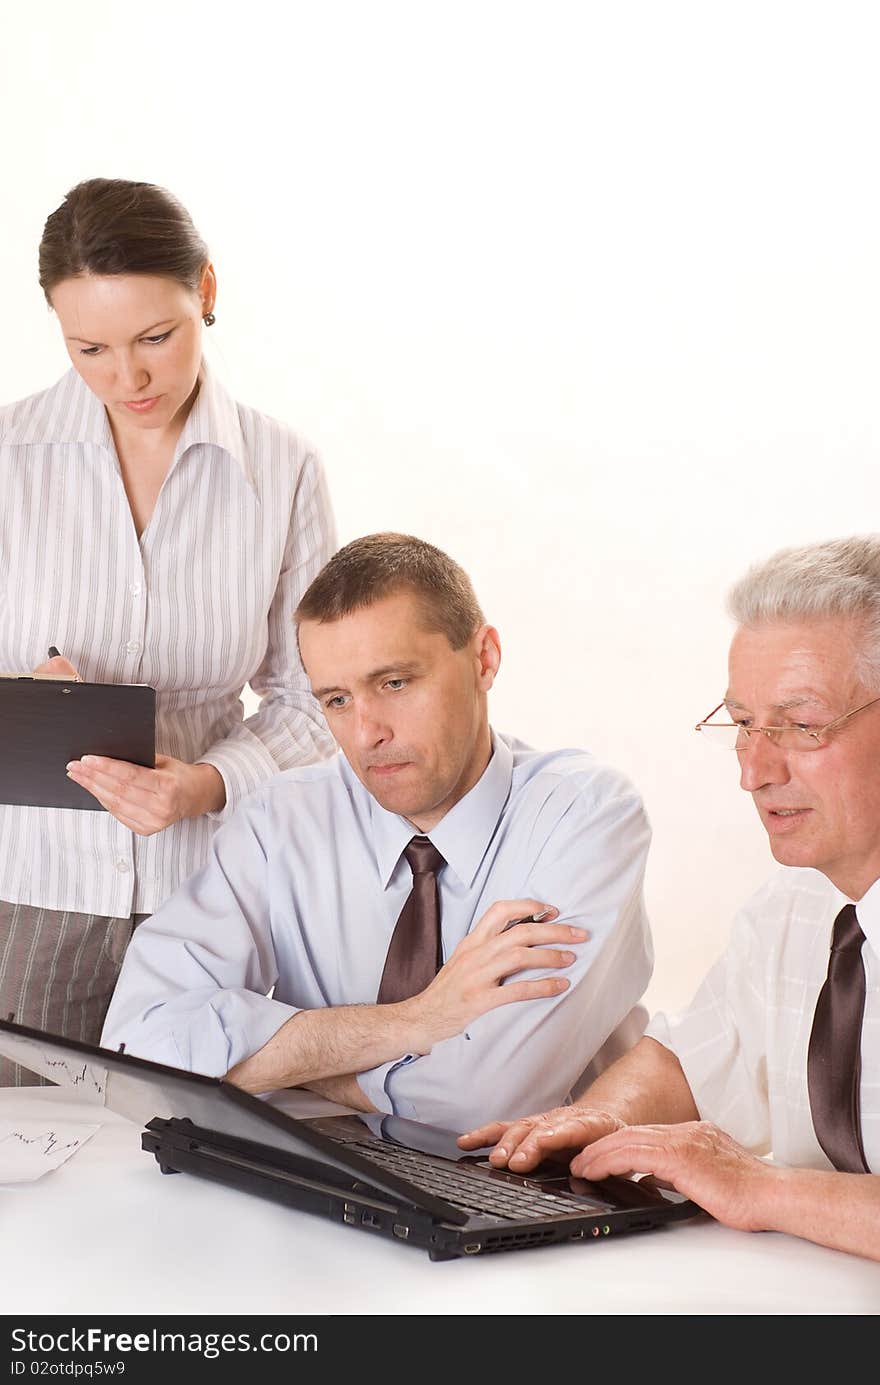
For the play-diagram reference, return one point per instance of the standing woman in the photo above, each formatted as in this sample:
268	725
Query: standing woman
154	531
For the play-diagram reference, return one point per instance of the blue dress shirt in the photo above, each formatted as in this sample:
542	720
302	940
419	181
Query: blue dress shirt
300	897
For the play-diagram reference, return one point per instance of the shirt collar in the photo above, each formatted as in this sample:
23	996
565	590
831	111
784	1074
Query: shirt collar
70	412
463	835
67	412
214	422
867	912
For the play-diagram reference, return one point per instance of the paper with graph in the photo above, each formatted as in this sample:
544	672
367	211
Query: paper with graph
46	1060
30	1148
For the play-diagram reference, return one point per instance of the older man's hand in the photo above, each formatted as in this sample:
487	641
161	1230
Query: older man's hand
556	1134
694	1157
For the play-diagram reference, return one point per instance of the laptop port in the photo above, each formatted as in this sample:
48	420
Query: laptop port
401	1231
472	1248
367	1219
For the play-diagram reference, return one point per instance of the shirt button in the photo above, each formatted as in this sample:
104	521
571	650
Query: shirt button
135	588
122	865
132	647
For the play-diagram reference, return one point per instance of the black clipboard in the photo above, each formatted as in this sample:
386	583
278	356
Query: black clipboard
46	721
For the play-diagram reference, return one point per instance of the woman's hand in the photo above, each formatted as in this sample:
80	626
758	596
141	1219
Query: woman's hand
58	665
148	800
145	800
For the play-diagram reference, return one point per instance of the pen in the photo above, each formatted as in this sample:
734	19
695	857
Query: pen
527	918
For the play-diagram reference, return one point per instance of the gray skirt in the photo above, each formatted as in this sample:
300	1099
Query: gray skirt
57	972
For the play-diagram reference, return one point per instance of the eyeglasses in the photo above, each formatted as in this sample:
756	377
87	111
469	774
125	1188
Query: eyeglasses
731	735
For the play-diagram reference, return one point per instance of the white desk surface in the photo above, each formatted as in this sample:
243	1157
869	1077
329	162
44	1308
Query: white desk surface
108	1233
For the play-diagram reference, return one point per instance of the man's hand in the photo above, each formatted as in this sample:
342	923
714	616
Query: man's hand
556	1134
147	800
470	983
697	1159
348	1039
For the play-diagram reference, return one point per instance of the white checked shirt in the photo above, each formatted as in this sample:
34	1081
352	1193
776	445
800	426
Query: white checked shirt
197	607
743	1039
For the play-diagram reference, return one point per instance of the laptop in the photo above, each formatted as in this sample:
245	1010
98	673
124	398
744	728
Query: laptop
376	1173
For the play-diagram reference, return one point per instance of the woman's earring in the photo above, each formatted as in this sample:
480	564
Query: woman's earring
209	319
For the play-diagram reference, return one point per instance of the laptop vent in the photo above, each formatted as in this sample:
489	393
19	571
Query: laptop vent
520	1238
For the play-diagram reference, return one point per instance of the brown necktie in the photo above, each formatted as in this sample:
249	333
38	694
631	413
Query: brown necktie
415	954
834	1062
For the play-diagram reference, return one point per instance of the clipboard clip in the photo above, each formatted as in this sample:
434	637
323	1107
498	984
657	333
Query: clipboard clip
43	677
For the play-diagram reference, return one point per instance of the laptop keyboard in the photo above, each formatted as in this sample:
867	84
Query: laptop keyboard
465	1186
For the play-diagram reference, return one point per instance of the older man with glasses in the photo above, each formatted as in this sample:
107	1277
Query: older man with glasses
779	1051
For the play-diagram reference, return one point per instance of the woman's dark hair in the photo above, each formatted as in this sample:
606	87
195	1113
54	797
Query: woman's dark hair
111	226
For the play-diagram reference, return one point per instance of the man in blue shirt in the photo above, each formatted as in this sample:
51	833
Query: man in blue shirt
267	965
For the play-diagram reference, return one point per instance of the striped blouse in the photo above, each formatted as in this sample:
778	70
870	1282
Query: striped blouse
199	606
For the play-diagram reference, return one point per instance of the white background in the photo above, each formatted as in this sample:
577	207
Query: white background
586	294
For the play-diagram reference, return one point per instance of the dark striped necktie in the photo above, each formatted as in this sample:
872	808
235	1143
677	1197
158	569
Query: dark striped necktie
834	1061
415	953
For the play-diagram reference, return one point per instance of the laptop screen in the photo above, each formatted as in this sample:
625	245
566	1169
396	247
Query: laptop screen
142	1090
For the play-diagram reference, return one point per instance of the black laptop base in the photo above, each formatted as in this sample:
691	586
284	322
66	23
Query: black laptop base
309	1186
186	1149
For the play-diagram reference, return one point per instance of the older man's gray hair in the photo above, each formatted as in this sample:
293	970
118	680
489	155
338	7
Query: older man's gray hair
835	580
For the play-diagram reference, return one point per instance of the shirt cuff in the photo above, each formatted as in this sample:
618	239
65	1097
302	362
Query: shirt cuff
243	768
658	1028
375	1083
236	1025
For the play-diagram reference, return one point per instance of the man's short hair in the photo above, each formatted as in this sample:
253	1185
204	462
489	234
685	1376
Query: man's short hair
838	579
379	565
